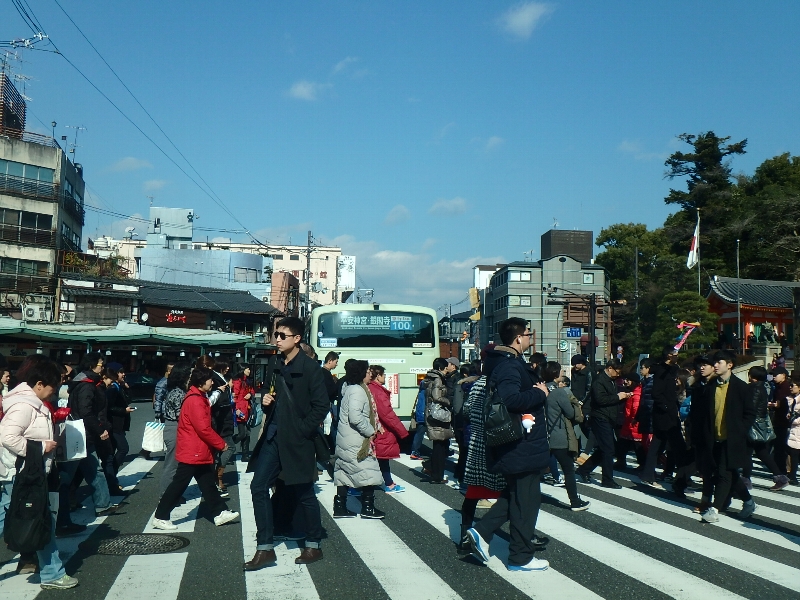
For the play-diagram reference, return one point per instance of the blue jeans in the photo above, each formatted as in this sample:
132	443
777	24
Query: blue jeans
89	468
50	565
266	469
419	435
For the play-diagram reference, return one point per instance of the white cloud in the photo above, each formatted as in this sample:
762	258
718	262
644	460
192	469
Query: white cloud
398	214
419	277
521	19
635	149
307	90
153	185
494	142
344	63
448	208
294	234
129	163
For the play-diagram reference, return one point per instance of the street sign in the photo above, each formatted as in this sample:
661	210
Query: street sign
563	345
574	332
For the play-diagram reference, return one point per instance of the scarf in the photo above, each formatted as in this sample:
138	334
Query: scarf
368	445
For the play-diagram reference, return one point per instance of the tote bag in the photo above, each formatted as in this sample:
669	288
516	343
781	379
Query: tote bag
71	440
153	440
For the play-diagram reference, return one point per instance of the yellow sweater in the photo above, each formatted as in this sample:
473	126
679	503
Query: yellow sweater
720	427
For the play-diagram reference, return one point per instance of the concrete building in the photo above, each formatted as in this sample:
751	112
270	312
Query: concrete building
553	295
41	210
173	229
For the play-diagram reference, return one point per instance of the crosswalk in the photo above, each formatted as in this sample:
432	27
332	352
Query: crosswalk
634	542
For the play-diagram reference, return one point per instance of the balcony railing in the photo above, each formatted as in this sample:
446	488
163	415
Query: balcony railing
26	236
26	283
73	207
29	136
28	188
68	244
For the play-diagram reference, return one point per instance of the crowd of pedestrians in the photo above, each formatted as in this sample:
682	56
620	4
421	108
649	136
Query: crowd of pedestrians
516	424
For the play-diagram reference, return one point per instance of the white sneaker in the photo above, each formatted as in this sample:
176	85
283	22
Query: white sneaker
164	524
710	516
536	564
225	516
748	509
476	546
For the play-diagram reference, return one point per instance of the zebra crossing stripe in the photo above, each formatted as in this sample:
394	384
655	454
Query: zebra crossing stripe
545	584
732	556
389	560
184	517
285	579
761	533
150	576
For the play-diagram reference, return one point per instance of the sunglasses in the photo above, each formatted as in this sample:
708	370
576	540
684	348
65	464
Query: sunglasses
282	336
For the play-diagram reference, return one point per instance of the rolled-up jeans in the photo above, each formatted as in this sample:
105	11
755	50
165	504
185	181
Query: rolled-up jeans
97	481
50	565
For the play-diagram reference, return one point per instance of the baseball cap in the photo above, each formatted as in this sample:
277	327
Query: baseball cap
779	371
454	361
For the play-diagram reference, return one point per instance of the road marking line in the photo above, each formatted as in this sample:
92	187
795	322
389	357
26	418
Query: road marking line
547	584
150	576
746	562
392	563
285	579
184	517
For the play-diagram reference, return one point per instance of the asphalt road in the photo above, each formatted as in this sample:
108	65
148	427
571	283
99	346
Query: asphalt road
631	543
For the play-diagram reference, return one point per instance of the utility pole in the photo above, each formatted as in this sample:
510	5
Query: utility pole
308	275
336	285
738	302
592	324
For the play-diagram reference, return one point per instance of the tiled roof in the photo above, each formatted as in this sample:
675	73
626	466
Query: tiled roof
754	292
203	299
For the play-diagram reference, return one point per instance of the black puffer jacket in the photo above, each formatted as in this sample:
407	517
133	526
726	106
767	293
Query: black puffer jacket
665	397
605	399
221	408
760	398
514	380
87	401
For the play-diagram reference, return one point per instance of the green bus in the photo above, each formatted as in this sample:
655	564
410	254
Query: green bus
401	338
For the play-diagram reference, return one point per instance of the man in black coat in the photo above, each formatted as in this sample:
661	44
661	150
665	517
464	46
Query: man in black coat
721	418
285	446
521	461
606	401
666	421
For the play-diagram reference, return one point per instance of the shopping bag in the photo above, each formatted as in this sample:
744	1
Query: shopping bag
153	440
71	440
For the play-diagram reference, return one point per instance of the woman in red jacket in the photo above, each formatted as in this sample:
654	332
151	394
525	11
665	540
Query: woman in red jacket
629	435
242	393
386	443
193	452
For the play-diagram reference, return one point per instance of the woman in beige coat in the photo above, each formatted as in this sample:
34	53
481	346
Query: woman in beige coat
27	419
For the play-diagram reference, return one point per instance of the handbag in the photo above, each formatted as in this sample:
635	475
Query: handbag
71	441
439	412
761	431
153	439
501	426
256	414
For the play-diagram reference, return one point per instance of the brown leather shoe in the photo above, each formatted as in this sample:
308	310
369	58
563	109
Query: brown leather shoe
261	559
308	556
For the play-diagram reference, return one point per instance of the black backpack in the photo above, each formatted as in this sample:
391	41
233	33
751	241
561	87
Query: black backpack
501	427
28	519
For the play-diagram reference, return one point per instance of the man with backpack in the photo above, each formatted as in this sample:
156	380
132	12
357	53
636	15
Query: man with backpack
521	461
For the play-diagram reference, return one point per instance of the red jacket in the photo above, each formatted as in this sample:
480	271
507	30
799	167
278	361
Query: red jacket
196	439
241	387
630	431
386	445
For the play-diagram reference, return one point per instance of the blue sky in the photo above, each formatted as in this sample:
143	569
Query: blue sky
423	137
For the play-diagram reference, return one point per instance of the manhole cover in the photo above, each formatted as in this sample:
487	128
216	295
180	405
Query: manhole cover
142	543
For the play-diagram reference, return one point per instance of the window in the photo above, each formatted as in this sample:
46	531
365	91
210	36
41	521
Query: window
16	266
294	257
277	257
183	246
588	278
9	217
243	275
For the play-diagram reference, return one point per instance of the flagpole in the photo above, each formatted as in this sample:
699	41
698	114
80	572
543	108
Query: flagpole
699	293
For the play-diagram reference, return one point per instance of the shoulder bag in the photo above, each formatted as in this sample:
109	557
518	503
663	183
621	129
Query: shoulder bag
761	431
501	426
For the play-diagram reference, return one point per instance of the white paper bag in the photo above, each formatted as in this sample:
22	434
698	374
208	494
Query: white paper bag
153	440
71	440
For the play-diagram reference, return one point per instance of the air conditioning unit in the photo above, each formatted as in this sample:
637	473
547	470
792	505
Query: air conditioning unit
36	311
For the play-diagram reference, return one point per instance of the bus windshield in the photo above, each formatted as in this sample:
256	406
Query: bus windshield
375	329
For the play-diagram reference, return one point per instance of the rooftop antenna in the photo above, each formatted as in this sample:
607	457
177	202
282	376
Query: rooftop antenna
151	198
74	145
555	223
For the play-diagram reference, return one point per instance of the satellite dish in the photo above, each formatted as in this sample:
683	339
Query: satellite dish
144	317
129	229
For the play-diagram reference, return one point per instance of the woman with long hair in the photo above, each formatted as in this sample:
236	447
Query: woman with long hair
387	445
242	395
356	464
177	386
193	451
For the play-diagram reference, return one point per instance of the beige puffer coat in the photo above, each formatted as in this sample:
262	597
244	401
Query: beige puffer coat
25	418
436	393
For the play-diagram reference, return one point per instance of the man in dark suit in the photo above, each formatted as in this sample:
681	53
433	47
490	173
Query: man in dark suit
721	418
285	448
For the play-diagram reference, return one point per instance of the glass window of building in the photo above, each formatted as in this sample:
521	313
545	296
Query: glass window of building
294	257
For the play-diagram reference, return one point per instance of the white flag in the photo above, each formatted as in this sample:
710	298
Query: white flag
694	251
